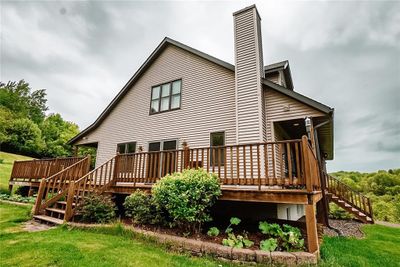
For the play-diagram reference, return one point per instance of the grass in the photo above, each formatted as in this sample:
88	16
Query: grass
6	167
380	247
64	247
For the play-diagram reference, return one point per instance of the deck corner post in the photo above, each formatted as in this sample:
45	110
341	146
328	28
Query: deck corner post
311	225
70	199
307	170
38	203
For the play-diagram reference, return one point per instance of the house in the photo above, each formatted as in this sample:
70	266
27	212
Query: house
184	108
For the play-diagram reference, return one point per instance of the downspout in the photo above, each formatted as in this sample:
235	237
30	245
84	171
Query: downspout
321	173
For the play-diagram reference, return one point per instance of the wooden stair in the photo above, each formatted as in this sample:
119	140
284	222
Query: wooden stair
350	209
350	200
53	215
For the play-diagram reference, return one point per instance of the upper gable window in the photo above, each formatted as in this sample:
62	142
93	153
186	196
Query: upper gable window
165	97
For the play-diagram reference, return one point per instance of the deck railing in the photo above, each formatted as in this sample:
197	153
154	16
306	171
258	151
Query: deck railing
352	197
55	187
35	170
282	164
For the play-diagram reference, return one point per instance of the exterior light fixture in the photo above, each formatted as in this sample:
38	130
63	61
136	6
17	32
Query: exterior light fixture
308	126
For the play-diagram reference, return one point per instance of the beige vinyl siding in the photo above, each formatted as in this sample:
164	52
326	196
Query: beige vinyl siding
276	104
248	68
207	105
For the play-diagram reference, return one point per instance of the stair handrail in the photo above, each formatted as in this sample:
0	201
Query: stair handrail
53	188
95	181
365	208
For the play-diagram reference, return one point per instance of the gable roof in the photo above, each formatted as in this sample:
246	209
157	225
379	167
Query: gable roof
325	132
303	99
281	66
160	48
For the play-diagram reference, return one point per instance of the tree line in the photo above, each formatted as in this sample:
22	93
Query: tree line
24	126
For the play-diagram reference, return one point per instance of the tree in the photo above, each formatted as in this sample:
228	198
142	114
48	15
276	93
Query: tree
25	137
5	121
22	102
56	133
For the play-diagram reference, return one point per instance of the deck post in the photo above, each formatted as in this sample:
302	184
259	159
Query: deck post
10	188
89	161
312	233
307	170
186	155
38	203
70	200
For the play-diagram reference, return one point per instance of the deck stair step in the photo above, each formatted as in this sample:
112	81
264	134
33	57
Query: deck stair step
56	210
64	203
48	219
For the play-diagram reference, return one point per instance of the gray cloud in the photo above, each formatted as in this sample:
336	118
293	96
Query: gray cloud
343	54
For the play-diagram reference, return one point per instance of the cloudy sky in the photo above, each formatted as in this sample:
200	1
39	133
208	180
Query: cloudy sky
343	54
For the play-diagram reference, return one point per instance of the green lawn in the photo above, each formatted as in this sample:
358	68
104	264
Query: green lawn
63	247
380	247
6	166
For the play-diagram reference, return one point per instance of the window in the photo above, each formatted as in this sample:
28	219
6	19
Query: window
166	97
217	140
125	148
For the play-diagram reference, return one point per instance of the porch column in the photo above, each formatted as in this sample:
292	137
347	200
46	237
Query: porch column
312	234
75	150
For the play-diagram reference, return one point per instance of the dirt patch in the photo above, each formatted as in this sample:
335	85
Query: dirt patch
32	226
347	228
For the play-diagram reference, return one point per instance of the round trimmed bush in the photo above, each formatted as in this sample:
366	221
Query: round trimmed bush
186	197
140	207
97	209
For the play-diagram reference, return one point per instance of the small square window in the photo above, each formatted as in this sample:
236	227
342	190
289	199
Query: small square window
126	148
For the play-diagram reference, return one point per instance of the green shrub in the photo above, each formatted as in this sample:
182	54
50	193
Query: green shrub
269	244
213	231
291	239
1	161
237	241
187	197
17	198
232	221
97	209
140	207
285	238
336	212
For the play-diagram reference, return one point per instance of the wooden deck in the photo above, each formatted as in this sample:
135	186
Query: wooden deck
274	172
